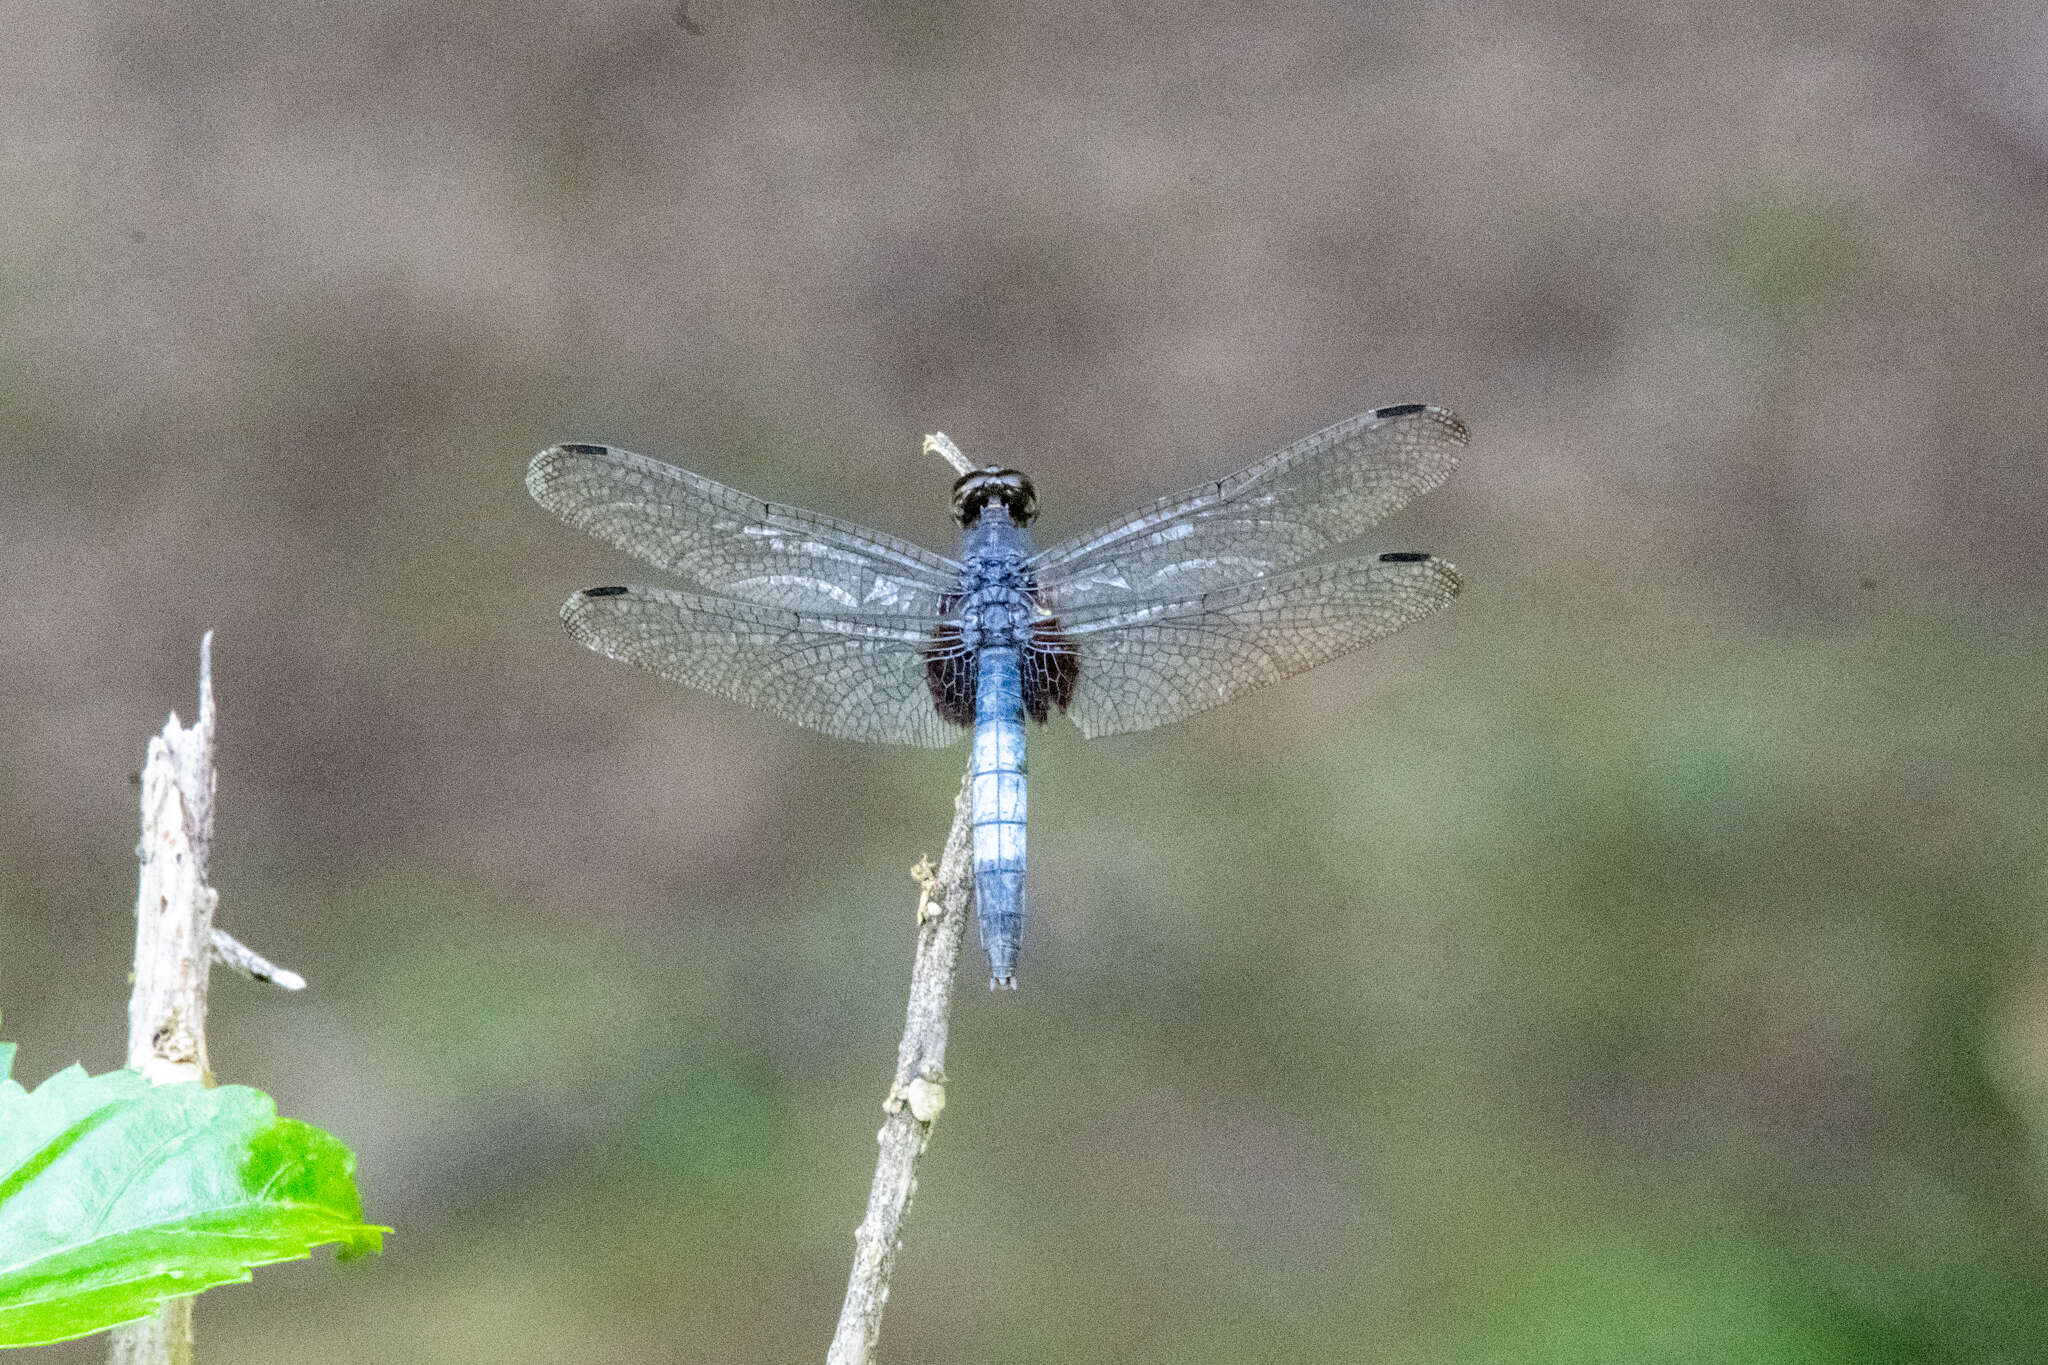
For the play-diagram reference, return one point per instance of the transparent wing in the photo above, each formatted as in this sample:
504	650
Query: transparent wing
1318	493
1145	664
857	677
720	539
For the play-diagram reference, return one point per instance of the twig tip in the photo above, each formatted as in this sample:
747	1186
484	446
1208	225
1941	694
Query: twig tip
941	445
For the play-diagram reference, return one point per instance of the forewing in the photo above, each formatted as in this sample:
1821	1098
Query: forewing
1145	664
722	540
856	677
1319	493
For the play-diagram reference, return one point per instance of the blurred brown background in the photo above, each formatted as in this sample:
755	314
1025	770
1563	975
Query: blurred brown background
1640	961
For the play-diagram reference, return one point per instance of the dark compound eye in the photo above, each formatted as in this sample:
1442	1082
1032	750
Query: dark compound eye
977	489
1023	503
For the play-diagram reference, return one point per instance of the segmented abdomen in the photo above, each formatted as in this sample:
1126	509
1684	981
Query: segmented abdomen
998	809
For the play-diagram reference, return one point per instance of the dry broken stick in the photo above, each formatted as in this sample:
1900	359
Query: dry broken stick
175	943
174	903
916	1094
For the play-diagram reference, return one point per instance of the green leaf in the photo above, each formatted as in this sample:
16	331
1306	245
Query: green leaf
116	1194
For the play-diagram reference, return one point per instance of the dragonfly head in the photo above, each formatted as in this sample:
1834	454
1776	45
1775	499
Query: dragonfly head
977	488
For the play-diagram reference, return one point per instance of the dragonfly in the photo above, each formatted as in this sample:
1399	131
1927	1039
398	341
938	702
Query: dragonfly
1183	605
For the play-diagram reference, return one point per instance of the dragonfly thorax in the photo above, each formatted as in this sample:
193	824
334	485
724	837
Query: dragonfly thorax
977	489
994	607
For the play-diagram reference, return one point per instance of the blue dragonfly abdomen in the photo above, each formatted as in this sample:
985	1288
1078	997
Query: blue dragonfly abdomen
998	806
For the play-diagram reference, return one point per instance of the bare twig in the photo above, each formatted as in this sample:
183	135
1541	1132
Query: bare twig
232	953
174	944
917	1093
174	904
941	445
